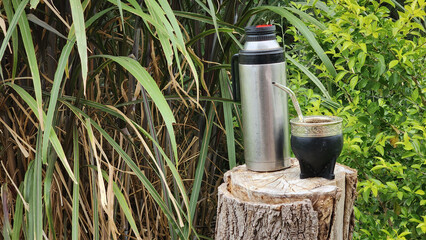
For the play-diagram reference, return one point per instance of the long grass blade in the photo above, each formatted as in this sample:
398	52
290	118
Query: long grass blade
75	190
32	60
18	216
47	187
133	166
151	87
13	20
205	19
168	32
33	18
123	204
172	167
212	12
296	22
229	125
28	189
36	203
311	76
95	229
120	9
77	14
208	32
201	162
116	113
307	17
62	62
101	183
52	137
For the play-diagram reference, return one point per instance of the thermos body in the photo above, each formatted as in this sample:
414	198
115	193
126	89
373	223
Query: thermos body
264	107
265	120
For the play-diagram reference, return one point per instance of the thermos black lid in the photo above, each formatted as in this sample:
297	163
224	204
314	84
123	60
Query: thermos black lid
261	54
260	33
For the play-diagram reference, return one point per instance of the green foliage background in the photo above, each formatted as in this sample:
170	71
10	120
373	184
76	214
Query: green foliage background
379	51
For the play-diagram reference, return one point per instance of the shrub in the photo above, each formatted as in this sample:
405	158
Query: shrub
380	84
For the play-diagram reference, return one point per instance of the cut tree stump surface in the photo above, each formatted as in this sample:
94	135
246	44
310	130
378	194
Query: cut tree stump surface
280	205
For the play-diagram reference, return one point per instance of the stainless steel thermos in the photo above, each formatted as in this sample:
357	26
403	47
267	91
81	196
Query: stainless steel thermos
264	107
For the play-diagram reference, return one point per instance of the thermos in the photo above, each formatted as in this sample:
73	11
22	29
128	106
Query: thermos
264	107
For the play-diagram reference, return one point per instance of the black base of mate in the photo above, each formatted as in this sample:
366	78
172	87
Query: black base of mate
317	155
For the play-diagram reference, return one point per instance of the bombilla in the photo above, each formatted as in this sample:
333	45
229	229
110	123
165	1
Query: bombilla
293	99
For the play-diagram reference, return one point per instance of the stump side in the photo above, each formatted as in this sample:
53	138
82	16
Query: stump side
238	219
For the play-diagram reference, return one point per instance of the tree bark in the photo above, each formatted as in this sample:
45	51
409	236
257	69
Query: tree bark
280	205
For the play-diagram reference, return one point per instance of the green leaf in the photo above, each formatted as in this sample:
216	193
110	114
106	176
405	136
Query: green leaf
380	150
381	64
34	3
339	76
363	47
392	185
372	107
80	33
353	82
415	94
361	59
366	194
374	190
393	63
420	192
377	167
400	195
351	63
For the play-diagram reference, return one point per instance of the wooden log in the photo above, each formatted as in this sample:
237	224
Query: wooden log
280	205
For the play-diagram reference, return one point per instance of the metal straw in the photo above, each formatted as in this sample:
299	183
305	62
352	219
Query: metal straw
293	99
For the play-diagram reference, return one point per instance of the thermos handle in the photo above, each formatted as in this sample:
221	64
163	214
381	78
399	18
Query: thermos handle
235	77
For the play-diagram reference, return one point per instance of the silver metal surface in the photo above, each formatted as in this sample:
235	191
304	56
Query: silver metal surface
265	119
261	45
293	99
316	126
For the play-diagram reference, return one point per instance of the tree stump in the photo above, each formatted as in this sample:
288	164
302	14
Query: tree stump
280	205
